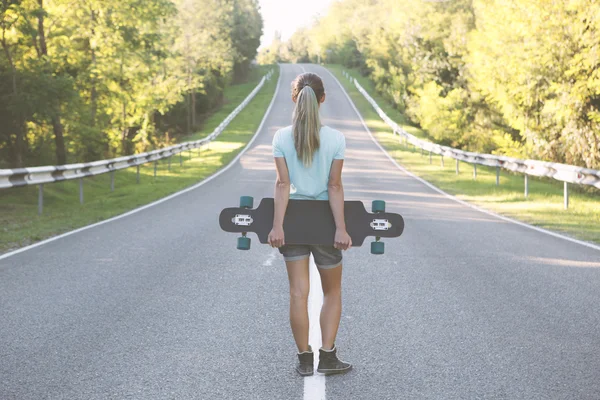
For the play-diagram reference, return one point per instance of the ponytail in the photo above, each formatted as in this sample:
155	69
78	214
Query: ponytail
306	125
308	93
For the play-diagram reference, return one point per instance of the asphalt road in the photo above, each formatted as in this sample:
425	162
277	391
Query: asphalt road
160	305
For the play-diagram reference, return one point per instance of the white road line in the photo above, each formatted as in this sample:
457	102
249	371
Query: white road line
210	178
451	197
271	258
314	386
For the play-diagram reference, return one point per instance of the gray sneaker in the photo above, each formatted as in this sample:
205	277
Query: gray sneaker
329	363
306	360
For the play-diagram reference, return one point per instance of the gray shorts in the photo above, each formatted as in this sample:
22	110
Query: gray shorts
326	257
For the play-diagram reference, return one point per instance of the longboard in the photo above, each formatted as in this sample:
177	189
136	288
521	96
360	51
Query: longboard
311	222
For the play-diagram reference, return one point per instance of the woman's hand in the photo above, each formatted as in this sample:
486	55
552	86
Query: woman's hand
277	237
342	240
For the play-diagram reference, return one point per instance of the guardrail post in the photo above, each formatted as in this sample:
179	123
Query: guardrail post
430	157
457	169
155	167
40	198
474	171
137	179
442	161
566	195
497	176
526	185
170	163
81	190
112	181
181	158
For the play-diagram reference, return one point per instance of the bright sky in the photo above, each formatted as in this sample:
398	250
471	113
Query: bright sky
288	15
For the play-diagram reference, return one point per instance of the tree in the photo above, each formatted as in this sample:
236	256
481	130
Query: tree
536	62
92	79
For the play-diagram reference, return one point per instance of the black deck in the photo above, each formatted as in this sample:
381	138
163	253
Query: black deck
311	222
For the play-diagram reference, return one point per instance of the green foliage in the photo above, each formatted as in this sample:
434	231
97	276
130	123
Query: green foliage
507	146
297	49
509	76
247	30
91	79
538	65
272	54
443	117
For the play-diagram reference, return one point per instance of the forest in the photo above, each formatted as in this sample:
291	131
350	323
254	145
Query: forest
83	80
511	77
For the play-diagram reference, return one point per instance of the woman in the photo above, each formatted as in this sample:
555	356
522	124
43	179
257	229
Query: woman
309	159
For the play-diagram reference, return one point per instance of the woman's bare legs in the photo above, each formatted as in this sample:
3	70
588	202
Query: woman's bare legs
331	312
299	288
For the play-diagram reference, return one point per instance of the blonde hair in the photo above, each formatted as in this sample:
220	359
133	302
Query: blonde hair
307	91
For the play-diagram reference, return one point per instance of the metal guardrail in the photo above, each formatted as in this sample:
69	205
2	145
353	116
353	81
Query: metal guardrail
49	174
561	172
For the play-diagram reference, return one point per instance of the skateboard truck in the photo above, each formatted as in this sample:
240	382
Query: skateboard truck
380	225
378	206
242	220
246	202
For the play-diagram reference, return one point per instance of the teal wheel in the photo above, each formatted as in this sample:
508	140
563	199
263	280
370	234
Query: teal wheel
377	247
246	202
243	243
378	206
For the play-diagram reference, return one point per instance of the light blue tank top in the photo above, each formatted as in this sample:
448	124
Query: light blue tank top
310	183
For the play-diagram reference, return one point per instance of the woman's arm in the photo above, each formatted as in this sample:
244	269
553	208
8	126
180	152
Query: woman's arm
336	201
282	196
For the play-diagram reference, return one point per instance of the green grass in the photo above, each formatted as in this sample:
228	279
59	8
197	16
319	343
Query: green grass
234	95
20	225
543	207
